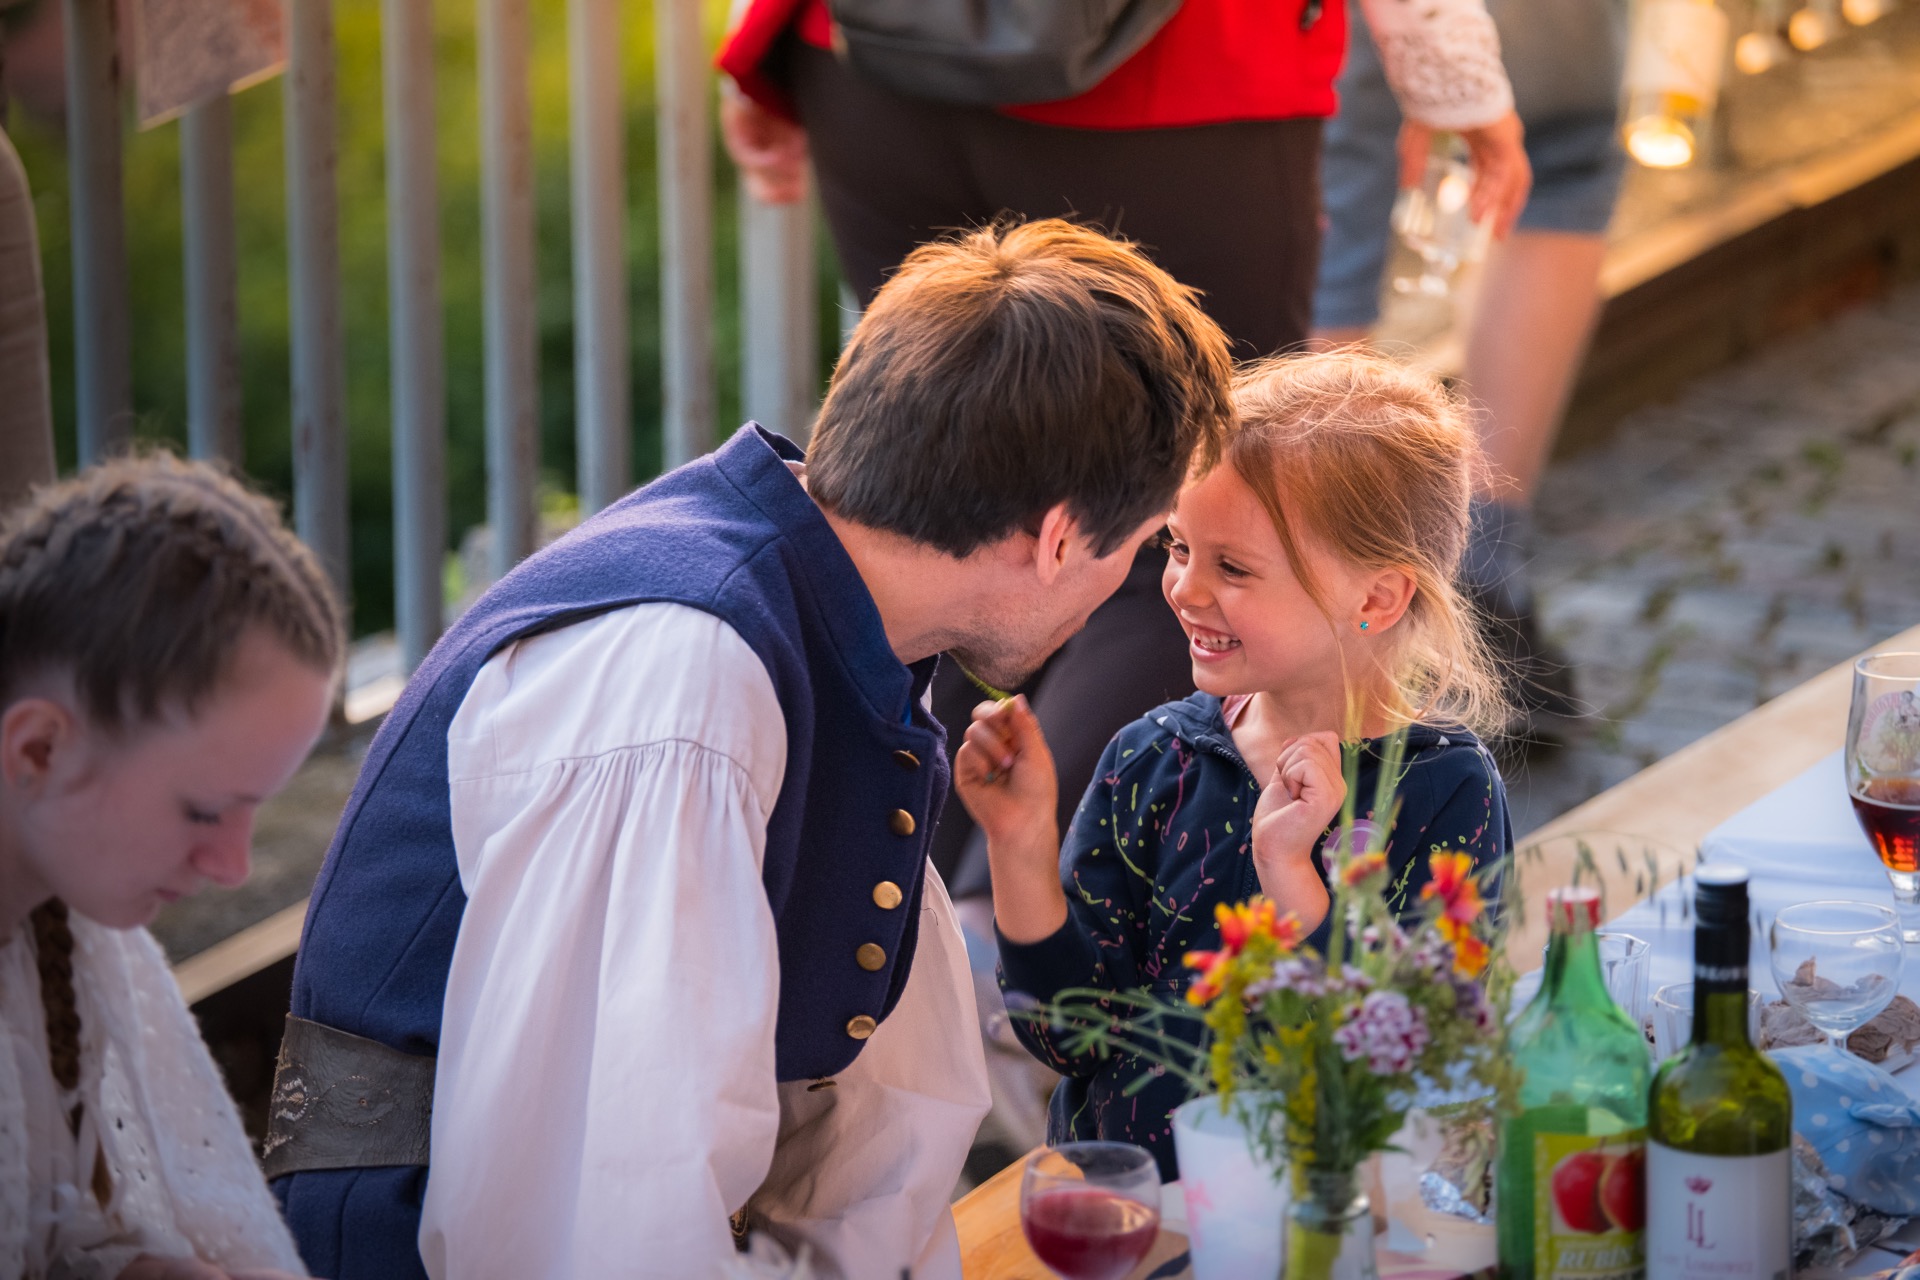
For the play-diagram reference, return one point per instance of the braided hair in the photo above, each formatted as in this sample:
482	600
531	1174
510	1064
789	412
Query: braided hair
138	577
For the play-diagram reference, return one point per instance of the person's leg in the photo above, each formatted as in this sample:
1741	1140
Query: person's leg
892	170
1230	209
1538	301
1545	285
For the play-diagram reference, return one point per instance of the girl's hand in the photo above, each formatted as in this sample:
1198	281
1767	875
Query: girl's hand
1004	774
1306	793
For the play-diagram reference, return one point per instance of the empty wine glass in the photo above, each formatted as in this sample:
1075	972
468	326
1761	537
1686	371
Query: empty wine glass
1883	771
1838	963
1090	1210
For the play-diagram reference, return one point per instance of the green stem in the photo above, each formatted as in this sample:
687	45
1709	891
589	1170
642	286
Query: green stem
1310	1254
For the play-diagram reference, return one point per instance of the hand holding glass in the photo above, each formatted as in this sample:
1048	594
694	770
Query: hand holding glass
1090	1210
1838	963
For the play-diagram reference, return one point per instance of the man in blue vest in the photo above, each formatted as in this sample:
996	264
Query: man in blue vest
627	955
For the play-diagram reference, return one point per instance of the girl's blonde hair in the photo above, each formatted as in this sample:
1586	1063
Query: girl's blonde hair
1376	463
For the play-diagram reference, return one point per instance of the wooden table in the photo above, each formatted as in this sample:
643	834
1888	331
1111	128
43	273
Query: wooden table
1670	805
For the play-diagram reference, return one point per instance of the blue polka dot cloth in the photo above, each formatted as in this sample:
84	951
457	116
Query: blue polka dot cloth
1864	1125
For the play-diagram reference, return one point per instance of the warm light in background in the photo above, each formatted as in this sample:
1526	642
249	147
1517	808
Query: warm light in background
1660	142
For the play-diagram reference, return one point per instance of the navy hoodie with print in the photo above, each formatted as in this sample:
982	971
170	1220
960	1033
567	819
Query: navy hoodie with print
1161	838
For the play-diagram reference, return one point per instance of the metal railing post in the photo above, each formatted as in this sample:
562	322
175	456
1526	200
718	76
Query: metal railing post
415	326
602	383
685	88
103	362
211	271
512	322
780	324
26	408
313	277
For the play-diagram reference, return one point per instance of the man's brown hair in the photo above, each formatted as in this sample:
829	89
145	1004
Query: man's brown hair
1012	368
140	575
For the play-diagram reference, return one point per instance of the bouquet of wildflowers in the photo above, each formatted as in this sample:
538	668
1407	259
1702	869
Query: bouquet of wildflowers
1322	1055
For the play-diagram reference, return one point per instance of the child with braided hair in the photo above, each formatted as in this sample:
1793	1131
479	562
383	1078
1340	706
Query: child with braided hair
168	653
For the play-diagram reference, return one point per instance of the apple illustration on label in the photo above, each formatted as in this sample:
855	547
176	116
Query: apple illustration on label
1576	1192
1623	1190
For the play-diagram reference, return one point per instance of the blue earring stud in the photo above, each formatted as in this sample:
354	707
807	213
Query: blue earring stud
1363	625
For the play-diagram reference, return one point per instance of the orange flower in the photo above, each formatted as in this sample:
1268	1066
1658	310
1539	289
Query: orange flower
1362	868
1453	885
1470	953
1215	964
1241	926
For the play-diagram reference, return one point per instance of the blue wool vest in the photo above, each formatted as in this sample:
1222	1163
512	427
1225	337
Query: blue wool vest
734	535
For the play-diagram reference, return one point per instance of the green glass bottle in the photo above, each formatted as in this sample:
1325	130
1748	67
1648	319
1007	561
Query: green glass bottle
1721	1118
1570	1197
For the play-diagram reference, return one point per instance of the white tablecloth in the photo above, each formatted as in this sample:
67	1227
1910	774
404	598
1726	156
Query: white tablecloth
1800	843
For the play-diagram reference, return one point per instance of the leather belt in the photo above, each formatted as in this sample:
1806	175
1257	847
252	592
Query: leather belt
342	1101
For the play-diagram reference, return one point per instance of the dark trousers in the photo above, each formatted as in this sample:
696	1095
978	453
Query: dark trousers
1230	209
1131	657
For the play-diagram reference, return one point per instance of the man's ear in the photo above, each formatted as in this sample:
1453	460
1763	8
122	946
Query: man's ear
1057	531
35	734
1388	594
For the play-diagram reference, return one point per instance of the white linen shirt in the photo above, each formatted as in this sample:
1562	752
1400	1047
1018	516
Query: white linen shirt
604	1095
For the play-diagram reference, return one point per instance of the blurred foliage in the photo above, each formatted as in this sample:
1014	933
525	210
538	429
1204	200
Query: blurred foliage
158	298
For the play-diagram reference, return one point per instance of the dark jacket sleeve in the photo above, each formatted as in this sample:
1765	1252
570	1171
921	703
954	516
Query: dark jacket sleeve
1093	948
1454	802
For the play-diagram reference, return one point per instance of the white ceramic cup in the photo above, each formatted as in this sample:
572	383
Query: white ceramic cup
1236	1204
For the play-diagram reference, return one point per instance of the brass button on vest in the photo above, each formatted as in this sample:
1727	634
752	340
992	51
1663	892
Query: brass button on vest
887	895
906	760
902	823
861	1027
871	956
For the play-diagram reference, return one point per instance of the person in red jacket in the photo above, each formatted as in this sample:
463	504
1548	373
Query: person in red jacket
1203	147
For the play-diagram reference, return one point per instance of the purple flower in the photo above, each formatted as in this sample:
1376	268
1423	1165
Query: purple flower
1385	1030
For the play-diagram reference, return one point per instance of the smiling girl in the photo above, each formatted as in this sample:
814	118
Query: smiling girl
167	659
1313	572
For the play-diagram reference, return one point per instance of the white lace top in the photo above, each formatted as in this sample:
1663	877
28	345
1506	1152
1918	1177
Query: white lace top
1442	59
184	1178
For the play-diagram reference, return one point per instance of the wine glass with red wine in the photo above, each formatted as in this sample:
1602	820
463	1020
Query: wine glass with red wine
1091	1210
1883	772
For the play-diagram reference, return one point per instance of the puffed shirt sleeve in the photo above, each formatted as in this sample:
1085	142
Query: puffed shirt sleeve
605	1092
1442	60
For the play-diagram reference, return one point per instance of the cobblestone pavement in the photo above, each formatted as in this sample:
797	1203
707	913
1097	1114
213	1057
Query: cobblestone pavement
1722	548
1717	551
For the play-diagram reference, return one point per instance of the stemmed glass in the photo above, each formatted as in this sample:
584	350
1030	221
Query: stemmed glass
1838	963
1090	1210
1883	771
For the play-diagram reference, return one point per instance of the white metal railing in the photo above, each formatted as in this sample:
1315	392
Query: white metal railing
778	291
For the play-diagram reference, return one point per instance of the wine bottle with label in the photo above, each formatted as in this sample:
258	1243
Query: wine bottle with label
1571	1190
1720	1120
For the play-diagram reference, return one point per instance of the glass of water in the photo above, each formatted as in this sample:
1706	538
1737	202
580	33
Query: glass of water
1838	963
1435	220
1672	1018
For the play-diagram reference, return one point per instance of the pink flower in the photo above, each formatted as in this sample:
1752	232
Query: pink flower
1385	1030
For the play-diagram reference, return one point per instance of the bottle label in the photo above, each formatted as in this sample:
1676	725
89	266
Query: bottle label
1589	1205
1677	49
1718	1217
